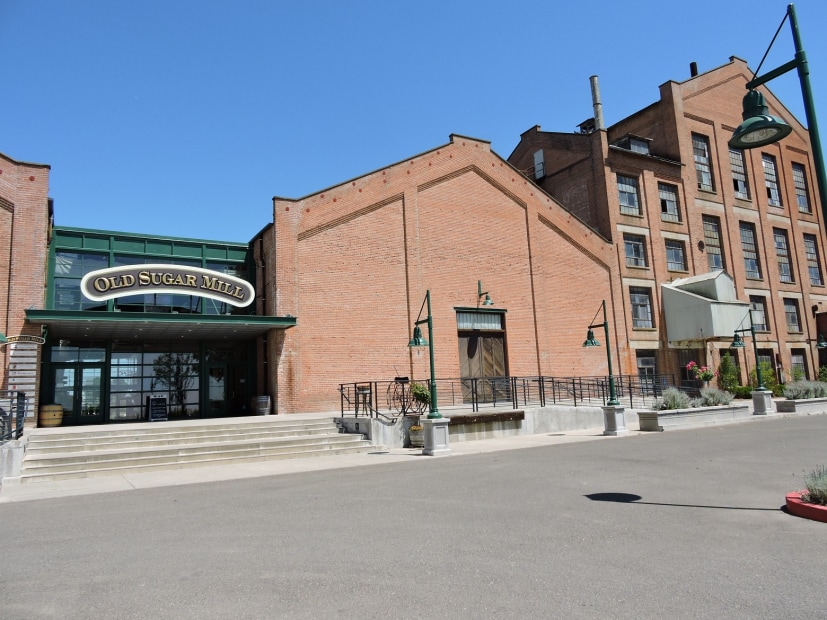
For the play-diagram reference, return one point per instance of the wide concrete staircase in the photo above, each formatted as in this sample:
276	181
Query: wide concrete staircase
81	452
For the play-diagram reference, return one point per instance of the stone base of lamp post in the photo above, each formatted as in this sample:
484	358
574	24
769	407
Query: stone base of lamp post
436	436
762	403
614	420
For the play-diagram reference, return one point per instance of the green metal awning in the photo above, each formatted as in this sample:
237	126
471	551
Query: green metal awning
137	325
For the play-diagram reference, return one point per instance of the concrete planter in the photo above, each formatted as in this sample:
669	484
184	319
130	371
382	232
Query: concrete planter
693	417
806	406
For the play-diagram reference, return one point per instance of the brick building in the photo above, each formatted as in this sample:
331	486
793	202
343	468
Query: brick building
674	201
353	262
25	224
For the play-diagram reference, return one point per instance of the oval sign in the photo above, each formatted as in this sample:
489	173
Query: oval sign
115	282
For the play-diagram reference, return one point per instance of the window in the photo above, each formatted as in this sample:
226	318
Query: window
639	146
798	364
802	196
675	255
752	263
791	312
782	250
712	243
641	300
669	211
70	267
635	250
758	307
628	195
684	357
813	263
703	168
739	173
771	180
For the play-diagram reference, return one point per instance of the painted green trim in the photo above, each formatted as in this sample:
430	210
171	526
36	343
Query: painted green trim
157	317
126	235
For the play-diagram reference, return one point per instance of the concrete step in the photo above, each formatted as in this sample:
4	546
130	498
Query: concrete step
223	459
54	454
111	442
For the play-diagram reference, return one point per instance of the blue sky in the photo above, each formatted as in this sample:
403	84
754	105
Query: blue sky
185	117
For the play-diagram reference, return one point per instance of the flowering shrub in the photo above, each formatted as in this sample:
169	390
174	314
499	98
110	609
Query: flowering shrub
701	373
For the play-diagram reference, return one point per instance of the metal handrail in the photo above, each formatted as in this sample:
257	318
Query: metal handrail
12	415
372	398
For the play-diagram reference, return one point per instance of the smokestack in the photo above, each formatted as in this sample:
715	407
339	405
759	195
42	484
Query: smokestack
693	69
598	107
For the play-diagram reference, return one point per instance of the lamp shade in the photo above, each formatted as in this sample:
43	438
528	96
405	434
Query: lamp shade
737	342
759	127
417	340
488	301
591	341
822	342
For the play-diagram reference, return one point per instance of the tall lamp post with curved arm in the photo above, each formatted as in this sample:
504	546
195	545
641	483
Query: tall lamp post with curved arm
435	427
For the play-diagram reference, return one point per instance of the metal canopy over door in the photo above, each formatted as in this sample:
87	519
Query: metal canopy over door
482	356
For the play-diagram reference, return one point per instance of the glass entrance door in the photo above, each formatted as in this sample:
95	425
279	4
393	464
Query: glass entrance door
77	388
217	403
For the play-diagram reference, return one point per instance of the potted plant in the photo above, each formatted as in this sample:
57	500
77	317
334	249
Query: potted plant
415	433
701	373
811	503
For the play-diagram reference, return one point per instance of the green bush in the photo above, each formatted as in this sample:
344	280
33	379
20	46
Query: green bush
805	389
672	398
421	393
727	373
816	482
822	374
768	375
712	397
742	391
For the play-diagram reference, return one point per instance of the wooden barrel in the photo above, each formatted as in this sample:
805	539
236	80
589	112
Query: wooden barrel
51	415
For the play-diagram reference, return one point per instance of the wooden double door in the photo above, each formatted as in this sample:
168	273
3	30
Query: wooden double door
483	366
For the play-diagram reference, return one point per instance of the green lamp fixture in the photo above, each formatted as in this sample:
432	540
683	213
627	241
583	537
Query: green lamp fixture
822	342
759	127
417	340
488	301
591	341
737	342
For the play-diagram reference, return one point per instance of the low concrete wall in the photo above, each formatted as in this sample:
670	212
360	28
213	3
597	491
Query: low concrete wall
692	418
806	406
536	420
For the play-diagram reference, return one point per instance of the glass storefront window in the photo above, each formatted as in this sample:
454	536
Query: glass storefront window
70	267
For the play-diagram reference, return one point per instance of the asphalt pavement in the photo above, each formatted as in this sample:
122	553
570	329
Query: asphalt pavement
679	524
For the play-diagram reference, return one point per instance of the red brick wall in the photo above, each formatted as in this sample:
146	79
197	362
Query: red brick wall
353	263
24	226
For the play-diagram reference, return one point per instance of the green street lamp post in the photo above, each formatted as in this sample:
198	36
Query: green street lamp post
592	342
738	343
761	398
760	128
614	418
419	341
435	427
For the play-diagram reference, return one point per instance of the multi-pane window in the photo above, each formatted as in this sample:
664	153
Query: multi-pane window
798	363
669	211
639	146
628	195
641	300
782	250
675	255
70	267
635	250
813	262
752	263
758	307
771	180
739	173
703	165
792	314
712	243
802	196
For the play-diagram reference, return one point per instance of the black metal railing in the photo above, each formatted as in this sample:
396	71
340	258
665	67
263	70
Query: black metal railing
12	415
390	399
